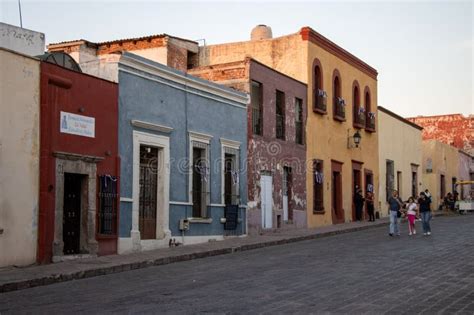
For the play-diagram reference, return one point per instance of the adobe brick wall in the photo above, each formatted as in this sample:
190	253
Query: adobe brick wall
456	130
131	45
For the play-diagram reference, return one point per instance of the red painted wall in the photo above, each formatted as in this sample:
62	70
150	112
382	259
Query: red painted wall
73	92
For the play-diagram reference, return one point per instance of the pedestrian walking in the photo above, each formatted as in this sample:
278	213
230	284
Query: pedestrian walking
369	201
359	204
425	211
395	204
412	208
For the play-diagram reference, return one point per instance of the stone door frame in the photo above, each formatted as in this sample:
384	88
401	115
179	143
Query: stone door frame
82	165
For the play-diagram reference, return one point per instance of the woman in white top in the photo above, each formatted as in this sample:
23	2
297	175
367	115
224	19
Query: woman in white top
412	208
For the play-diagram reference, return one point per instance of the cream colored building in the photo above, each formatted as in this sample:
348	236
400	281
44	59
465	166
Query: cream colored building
400	157
440	169
19	157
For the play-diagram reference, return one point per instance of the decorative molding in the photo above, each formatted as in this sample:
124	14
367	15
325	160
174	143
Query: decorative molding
314	37
200	220
151	126
77	157
217	205
131	61
197	136
230	143
181	203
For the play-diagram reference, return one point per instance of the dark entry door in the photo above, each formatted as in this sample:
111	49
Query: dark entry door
356	184
148	192
198	177
72	213
229	166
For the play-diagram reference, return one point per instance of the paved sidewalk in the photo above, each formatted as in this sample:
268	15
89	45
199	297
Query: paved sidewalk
21	278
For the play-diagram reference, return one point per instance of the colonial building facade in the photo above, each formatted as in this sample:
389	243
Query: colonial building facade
79	162
276	165
440	169
183	145
341	105
400	157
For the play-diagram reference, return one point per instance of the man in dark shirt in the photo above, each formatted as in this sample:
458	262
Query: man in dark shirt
394	204
425	212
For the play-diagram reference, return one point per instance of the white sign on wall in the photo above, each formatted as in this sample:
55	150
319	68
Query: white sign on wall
77	125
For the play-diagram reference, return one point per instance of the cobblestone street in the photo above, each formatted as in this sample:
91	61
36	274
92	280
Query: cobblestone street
359	272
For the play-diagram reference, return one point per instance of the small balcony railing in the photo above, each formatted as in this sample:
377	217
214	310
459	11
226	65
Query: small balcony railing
359	117
339	109
370	122
320	101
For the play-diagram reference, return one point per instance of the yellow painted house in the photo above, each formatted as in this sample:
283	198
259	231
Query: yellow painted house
440	170
342	101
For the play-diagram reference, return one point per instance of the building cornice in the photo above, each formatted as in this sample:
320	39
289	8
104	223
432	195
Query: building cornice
151	126
307	33
183	79
403	120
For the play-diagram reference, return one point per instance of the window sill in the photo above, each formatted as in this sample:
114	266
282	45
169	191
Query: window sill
319	212
371	130
358	125
320	111
200	220
106	236
339	118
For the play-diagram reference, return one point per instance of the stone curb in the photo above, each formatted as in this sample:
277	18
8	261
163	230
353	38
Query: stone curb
94	272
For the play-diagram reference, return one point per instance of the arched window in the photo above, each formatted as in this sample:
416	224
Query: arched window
319	95
358	113
338	102
370	115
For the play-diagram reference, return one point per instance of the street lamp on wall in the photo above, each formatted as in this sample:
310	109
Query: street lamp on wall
354	140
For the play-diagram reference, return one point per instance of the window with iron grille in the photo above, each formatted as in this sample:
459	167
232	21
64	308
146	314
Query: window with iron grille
318	186
108	196
299	120
280	115
201	177
257	108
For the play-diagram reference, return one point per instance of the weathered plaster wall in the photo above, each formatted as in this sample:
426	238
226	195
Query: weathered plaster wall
22	40
456	130
19	158
401	143
266	153
326	139
444	160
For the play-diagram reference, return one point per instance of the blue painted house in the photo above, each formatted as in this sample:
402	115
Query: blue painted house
183	148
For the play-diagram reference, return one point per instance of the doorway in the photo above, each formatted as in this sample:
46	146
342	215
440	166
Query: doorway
72	213
148	191
287	181
369	187
336	193
356	184
267	201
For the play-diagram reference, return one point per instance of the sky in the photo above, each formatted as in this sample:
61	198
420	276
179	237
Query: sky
422	50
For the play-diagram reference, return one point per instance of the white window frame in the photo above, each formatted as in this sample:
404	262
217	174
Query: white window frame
226	143
162	211
202	138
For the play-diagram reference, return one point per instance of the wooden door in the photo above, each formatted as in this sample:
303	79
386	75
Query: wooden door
336	193
72	213
148	192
